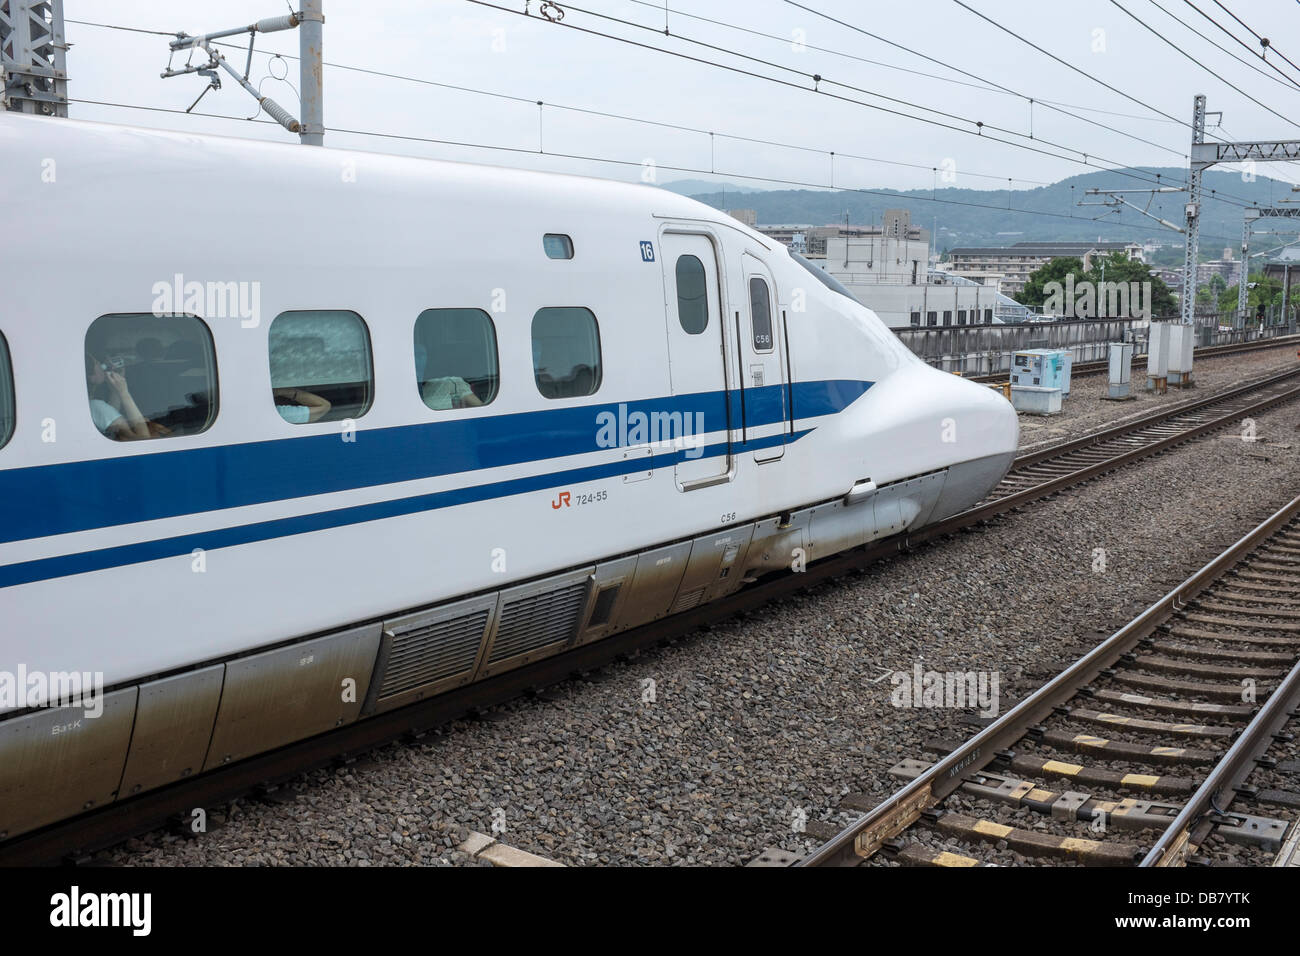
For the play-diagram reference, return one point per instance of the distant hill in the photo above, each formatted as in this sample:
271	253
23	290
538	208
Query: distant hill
690	187
976	224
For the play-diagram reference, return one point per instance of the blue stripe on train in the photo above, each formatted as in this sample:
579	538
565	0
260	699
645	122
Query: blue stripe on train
69	564
78	496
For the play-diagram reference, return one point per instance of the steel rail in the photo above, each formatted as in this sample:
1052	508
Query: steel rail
1212	799
1155	418
864	836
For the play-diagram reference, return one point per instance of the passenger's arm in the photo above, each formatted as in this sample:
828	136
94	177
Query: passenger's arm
132	425
318	407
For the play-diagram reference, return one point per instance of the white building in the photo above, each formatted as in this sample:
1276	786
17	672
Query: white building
890	277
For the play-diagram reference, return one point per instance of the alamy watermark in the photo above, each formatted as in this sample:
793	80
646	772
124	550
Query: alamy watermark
1098	300
209	300
953	689
23	689
625	429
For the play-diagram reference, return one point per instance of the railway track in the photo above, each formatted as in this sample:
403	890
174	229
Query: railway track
1115	446
1033	476
1207	351
1177	733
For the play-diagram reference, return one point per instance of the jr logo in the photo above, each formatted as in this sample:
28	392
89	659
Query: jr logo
647	252
561	502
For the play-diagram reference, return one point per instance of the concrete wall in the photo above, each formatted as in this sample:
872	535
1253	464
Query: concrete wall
986	350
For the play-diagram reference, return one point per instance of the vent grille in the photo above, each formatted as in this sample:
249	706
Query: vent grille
433	652
540	619
687	600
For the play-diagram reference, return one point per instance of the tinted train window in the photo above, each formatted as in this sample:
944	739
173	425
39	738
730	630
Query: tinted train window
692	295
320	366
760	314
557	246
456	358
6	395
150	376
932	318
916	318
566	352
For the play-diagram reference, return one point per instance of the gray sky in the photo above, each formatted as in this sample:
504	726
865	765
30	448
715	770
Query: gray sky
461	43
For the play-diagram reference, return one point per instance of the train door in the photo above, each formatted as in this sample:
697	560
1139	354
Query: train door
696	357
764	373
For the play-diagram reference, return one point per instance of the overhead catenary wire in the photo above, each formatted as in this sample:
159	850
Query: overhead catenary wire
1263	41
1273	66
1066	63
1119	168
1194	60
981	84
1224	197
605	114
818	79
1282	81
731	174
1024	96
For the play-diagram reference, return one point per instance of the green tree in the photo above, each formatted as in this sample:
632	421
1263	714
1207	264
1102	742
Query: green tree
1120	268
1054	270
1261	292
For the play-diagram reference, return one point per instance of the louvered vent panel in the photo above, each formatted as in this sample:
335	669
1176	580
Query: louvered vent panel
687	600
540	619
433	652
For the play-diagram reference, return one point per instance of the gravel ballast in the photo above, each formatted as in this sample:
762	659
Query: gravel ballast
766	721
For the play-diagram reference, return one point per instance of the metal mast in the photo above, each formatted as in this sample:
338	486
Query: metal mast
310	126
1203	156
1252	216
33	57
1193	212
1244	275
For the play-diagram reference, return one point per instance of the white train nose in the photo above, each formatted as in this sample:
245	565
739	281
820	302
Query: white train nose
982	434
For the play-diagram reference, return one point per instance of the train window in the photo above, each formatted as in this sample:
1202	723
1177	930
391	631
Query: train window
961	316
988	316
760	314
557	246
947	316
916	318
566	352
692	295
150	376
456	358
932	318
320	366
6	395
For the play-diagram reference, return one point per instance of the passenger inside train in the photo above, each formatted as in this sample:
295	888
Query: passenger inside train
112	408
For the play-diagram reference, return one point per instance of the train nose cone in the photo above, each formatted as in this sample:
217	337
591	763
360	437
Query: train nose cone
978	437
977	421
996	420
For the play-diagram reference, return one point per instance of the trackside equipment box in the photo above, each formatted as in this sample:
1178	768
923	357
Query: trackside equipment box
1036	399
1042	368
1121	369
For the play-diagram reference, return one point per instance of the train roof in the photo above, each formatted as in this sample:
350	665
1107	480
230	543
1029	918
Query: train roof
170	158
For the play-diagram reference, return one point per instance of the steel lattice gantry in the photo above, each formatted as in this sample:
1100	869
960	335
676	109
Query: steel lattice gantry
1253	215
1203	156
33	57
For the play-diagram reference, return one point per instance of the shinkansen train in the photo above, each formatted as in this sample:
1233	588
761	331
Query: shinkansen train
294	436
